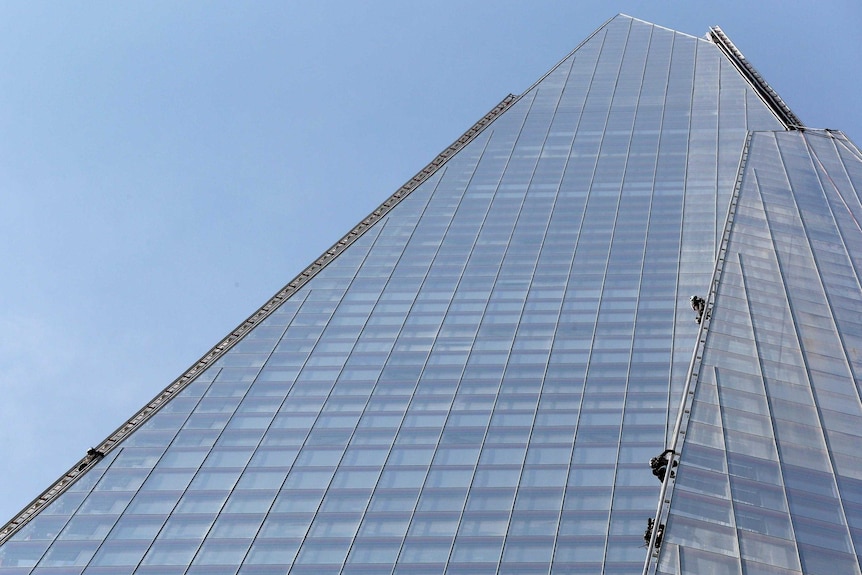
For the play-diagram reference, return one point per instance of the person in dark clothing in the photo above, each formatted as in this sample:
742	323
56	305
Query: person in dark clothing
698	304
660	463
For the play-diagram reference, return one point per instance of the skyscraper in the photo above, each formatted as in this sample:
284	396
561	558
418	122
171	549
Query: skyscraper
474	379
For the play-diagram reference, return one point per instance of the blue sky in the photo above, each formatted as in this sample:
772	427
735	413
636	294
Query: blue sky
166	167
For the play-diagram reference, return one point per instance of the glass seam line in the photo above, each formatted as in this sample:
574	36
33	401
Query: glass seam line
813	388
515	337
769	407
720	409
248	463
415	508
571	264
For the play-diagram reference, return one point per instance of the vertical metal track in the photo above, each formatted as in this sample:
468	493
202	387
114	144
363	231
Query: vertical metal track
769	96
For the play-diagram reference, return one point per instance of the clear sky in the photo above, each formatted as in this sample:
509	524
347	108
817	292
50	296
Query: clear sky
166	167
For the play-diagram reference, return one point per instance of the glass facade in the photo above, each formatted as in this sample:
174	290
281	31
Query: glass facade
475	385
769	479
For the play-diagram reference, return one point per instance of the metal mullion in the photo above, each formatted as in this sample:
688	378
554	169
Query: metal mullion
497	277
720	410
610	106
640	283
370	395
682	238
515	336
688	391
278	409
378	231
799	338
120	451
562	304
571	265
650	218
170	443
113	459
849	179
768	399
401	329
317	417
74	513
813	155
799	341
449	307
